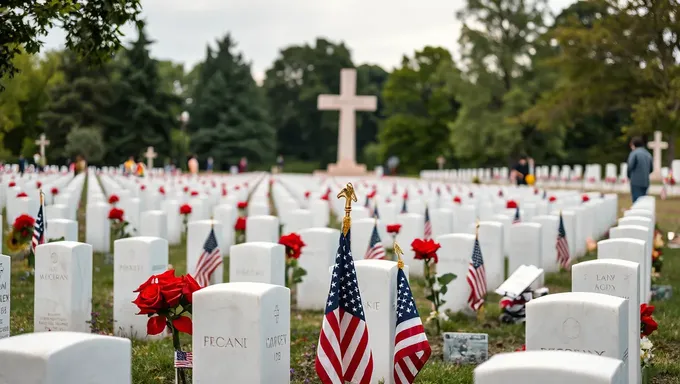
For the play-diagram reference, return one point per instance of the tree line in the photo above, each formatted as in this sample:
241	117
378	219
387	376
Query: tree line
567	88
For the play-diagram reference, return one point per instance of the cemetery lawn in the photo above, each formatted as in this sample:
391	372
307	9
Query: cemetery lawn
152	361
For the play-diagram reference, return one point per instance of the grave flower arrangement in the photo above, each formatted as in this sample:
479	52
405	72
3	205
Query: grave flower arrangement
552	199
12	184
585	198
294	244
647	326
38	184
393	229
118	223
426	250
113	199
161	190
457	200
19	237
185	211
55	191
167	301
511	204
194	193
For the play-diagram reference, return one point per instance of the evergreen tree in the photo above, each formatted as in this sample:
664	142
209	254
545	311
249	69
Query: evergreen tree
143	107
83	99
228	114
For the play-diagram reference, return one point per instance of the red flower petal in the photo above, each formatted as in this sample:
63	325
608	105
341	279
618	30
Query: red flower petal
155	325
183	324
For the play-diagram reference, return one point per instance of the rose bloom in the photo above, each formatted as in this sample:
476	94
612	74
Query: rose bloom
240	224
142	187
194	193
161	190
12	184
113	199
22	222
55	191
511	204
552	199
237	187
307	193
457	200
22	194
185	209
242	205
224	191
116	214
186	189
38	184
293	243
372	194
394	228
500	193
648	324
425	249
585	198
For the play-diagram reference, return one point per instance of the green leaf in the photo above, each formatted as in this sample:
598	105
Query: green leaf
443	290
430	297
446	278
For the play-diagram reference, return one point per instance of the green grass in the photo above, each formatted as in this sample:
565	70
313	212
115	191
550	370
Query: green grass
152	361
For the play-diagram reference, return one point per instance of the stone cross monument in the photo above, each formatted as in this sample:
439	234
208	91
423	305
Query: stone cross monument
657	146
150	155
43	142
347	102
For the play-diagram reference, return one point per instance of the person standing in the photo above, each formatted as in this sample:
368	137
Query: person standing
193	165
243	165
209	164
22	164
279	163
520	171
640	166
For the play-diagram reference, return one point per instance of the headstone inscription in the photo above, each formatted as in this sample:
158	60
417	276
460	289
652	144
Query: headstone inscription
5	287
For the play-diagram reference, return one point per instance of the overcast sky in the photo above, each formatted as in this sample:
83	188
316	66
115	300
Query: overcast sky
377	31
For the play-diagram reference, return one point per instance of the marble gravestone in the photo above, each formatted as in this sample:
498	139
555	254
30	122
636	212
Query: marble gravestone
153	224
378	282
590	323
241	331
618	278
5	287
412	227
454	257
58	228
97	230
630	232
135	259
347	102
318	254
65	357
262	228
525	246
549	226
258	262
491	243
550	367
63	287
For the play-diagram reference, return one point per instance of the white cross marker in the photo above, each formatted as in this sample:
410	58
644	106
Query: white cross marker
42	143
150	155
347	102
657	146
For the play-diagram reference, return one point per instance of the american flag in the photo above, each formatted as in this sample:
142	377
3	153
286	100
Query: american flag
343	353
39	228
375	213
184	359
411	349
209	261
428	224
375	248
562	246
516	219
476	278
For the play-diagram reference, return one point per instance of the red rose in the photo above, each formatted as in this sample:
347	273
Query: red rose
161	190
457	200
55	191
521	349
293	243
23	222
242	205
185	209
190	286
307	193
500	193
394	228
372	194
585	198
237	187
425	249
194	193
186	189
155	325
116	214
240	224
552	199
22	194
325	197
150	300
511	204
113	199
38	184
405	195
647	324
183	324
142	187
224	191
12	184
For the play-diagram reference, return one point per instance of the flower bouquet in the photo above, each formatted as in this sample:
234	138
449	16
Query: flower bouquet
166	299
647	326
19	238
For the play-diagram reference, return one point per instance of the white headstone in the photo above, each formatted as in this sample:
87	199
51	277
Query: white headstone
549	227
58	228
258	262
65	357
378	282
298	219
154	224
362	230
639	233
628	249
171	209
454	257
412	227
591	323
262	228
320	213
525	246
491	244
541	367
318	254
241	332
63	287
97	230
135	259
5	287
618	278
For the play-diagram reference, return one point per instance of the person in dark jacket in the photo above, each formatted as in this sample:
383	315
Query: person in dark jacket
639	167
